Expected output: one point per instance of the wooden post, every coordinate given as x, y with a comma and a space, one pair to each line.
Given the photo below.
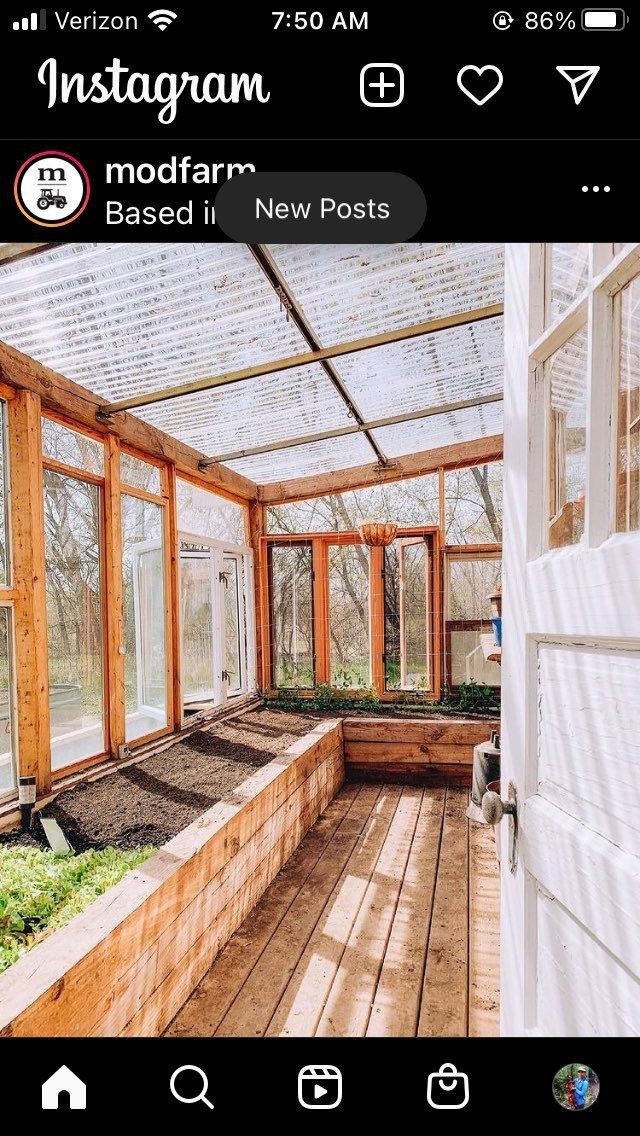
174, 596
256, 530
402, 621
376, 618
442, 505
320, 553
438, 600
115, 596
27, 528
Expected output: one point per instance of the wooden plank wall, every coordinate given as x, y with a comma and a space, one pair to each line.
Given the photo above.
126, 965
412, 750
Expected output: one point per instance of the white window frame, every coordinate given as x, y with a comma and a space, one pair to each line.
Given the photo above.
597, 308
222, 550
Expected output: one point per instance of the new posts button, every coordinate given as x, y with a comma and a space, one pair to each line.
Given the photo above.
321, 207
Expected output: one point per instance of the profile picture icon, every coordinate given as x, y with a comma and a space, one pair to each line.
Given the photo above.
51, 188
576, 1087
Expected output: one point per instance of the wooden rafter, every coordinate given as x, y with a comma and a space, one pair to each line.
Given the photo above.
456, 456
278, 283
364, 427
275, 366
10, 253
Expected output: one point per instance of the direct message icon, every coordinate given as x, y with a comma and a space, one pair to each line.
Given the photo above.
319, 1086
447, 1088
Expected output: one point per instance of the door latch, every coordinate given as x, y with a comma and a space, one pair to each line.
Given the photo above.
494, 809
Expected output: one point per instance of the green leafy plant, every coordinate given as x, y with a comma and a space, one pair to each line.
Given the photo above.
473, 696
469, 699
40, 892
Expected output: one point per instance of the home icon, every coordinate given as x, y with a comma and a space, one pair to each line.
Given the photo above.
64, 1084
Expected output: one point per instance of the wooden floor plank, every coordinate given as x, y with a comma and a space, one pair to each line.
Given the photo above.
202, 1013
484, 933
252, 1010
444, 1009
396, 1005
348, 1006
384, 921
303, 1001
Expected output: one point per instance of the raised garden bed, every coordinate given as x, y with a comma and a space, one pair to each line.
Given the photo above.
470, 701
126, 964
413, 750
150, 801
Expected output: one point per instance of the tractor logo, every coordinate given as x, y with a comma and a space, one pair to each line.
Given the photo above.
51, 188
48, 198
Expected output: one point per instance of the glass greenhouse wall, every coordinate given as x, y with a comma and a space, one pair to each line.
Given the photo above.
414, 618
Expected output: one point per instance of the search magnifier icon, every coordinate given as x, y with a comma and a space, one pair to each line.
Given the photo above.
201, 1096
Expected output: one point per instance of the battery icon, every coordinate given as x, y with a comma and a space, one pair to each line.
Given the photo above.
603, 19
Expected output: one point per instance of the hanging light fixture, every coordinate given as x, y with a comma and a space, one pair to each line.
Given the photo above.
376, 534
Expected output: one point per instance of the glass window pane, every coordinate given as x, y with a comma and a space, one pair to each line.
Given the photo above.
196, 624
567, 387
473, 505
407, 615
291, 603
349, 616
70, 447
469, 630
140, 474
413, 501
7, 763
628, 482
4, 485
569, 276
144, 617
205, 514
232, 627
74, 618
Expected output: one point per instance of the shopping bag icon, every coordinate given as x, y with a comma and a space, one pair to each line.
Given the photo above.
447, 1088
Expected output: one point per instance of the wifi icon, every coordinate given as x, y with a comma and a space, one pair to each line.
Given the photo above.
162, 18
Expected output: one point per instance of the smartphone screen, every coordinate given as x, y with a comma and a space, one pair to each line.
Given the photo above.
319, 547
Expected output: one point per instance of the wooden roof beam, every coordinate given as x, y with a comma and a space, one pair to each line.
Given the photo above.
10, 253
80, 405
456, 456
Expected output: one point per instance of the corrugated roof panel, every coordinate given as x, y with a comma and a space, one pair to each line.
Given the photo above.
271, 408
124, 319
300, 461
351, 291
448, 366
440, 430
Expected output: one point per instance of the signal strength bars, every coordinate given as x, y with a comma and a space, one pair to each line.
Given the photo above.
35, 21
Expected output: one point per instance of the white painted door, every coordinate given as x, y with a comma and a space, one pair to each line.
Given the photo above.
571, 646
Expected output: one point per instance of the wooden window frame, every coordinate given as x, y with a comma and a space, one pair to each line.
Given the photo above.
453, 552
265, 587
320, 544
8, 595
99, 481
169, 561
25, 594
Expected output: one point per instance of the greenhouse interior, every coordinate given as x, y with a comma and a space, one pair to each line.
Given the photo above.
250, 567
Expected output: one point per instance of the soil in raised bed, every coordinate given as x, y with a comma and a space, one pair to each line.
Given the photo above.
150, 801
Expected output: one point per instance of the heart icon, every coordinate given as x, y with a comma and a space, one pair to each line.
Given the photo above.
480, 83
